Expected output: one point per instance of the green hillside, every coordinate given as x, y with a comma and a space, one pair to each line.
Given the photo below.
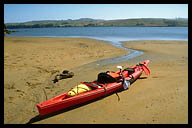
87, 22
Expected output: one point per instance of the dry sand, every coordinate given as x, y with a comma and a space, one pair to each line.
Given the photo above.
30, 63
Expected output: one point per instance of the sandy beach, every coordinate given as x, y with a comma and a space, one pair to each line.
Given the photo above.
30, 63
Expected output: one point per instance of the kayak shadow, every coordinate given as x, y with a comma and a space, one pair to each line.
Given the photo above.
144, 77
39, 117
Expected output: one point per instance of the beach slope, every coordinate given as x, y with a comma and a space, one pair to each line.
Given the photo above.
30, 64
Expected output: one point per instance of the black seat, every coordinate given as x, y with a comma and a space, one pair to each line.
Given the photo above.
103, 78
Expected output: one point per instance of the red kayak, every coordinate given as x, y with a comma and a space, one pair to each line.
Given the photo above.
107, 82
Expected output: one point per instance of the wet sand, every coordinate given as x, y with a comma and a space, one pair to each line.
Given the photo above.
30, 64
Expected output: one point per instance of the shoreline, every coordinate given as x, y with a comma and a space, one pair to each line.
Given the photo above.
35, 68
101, 39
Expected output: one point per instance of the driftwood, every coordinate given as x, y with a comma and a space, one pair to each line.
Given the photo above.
64, 75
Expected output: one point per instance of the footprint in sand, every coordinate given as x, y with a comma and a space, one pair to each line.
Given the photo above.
14, 63
10, 86
10, 99
32, 84
20, 93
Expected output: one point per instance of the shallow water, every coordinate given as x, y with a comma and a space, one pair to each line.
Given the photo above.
133, 53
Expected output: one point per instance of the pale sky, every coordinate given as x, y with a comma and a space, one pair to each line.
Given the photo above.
31, 12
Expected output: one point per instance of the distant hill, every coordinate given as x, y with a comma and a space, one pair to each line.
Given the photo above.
88, 22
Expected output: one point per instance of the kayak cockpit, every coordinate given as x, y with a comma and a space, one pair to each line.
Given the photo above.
93, 85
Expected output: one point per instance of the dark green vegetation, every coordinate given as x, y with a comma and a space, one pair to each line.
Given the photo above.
87, 22
7, 31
